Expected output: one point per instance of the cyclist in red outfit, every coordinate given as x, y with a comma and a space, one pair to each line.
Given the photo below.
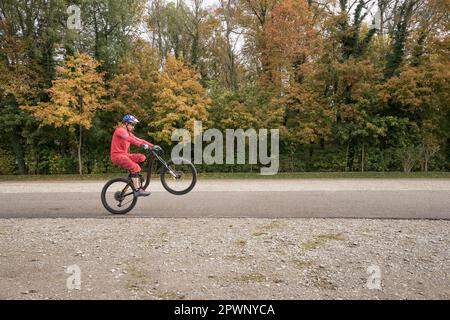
122, 138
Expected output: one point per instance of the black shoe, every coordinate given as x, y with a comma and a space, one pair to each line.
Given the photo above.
142, 193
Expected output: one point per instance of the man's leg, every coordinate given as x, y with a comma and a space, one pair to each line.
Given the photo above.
136, 158
135, 179
134, 170
126, 162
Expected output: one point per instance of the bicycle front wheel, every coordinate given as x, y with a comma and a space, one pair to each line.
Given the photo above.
118, 196
179, 177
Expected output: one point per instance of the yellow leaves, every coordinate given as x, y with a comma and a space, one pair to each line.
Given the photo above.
74, 96
180, 102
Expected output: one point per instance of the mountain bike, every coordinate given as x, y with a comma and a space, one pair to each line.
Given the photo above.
178, 176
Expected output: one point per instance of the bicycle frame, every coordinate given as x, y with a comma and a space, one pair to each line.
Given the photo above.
151, 160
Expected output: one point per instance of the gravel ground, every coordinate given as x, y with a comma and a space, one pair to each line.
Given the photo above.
145, 258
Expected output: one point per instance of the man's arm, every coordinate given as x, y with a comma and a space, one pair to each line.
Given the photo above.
142, 141
128, 136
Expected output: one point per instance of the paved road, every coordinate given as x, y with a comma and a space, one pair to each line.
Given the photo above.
317, 198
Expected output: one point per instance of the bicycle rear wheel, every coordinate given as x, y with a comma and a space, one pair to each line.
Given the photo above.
179, 177
118, 196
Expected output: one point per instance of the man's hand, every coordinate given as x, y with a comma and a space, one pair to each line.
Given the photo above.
156, 148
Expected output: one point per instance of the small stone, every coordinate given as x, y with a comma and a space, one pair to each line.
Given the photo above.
29, 291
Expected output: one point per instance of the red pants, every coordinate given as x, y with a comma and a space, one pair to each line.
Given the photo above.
128, 161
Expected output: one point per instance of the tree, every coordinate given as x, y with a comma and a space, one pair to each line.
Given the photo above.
170, 30
26, 48
222, 58
108, 30
20, 82
395, 57
133, 89
293, 43
254, 16
231, 110
75, 96
347, 73
180, 102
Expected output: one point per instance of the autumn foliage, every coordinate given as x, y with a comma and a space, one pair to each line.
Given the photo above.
180, 101
349, 89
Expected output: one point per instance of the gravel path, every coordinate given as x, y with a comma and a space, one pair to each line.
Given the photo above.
145, 258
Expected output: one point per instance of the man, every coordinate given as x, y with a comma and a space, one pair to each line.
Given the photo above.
122, 138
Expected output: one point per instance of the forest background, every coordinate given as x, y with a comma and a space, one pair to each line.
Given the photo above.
352, 85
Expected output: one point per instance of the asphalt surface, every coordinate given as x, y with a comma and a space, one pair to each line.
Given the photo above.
314, 198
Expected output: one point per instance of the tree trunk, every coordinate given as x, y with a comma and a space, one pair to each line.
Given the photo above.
38, 162
194, 49
310, 157
18, 152
383, 162
409, 160
362, 158
97, 38
80, 165
292, 162
350, 156
346, 156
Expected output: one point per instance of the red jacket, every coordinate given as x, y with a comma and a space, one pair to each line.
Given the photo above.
122, 139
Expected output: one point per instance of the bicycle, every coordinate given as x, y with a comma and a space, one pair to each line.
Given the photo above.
178, 176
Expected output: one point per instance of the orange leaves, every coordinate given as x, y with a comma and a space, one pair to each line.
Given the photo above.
291, 30
356, 77
291, 39
407, 89
19, 74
